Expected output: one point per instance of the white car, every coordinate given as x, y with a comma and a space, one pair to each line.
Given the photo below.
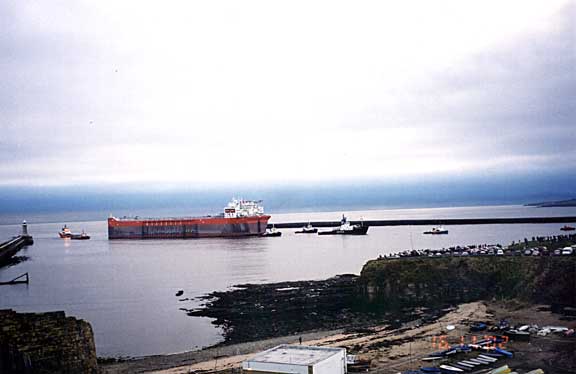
499, 252
567, 251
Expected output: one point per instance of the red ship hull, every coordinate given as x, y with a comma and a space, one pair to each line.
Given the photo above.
183, 228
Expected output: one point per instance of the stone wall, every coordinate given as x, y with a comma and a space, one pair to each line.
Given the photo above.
45, 343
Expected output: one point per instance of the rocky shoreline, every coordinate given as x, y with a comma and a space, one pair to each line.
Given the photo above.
382, 349
259, 311
379, 314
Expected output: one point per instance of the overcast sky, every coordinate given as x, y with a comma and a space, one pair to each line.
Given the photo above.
183, 92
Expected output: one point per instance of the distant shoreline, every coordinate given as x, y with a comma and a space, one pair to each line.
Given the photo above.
9, 219
554, 204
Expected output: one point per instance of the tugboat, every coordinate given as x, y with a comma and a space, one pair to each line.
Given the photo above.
308, 229
437, 231
567, 228
82, 236
65, 232
272, 232
346, 229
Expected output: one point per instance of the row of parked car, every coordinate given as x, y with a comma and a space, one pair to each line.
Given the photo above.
543, 251
494, 250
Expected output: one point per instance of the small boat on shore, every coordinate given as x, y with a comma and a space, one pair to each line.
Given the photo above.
518, 335
567, 228
346, 228
437, 231
308, 229
272, 232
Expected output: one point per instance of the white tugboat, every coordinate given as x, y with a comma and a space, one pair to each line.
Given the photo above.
437, 231
272, 232
347, 229
308, 229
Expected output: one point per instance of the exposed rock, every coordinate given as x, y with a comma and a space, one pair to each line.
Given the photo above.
390, 291
45, 343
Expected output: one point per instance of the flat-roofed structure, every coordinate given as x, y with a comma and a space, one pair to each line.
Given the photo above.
297, 359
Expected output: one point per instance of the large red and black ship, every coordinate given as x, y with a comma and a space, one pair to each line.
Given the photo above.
240, 218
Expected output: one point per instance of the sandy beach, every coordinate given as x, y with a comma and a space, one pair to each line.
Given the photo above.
385, 350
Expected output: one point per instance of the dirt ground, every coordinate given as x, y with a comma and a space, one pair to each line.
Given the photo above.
384, 350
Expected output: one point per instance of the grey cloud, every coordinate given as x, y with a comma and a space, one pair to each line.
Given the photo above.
516, 99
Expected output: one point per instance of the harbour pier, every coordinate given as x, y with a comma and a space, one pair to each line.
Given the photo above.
430, 222
12, 246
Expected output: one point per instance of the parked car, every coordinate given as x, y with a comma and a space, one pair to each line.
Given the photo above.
567, 251
499, 252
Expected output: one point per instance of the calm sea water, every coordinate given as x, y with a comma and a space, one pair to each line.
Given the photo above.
125, 289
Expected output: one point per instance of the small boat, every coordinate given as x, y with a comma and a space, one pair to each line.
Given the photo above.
308, 229
82, 236
478, 326
437, 231
460, 366
272, 232
517, 334
465, 364
65, 232
477, 361
489, 358
430, 370
504, 352
450, 369
567, 228
346, 228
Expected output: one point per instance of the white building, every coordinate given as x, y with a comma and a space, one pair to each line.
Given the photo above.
297, 359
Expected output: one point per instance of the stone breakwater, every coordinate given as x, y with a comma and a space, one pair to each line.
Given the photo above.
45, 343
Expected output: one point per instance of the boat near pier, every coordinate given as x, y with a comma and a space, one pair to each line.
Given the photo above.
437, 231
308, 229
346, 228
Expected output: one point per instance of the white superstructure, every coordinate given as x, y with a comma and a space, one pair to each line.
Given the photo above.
243, 208
297, 359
